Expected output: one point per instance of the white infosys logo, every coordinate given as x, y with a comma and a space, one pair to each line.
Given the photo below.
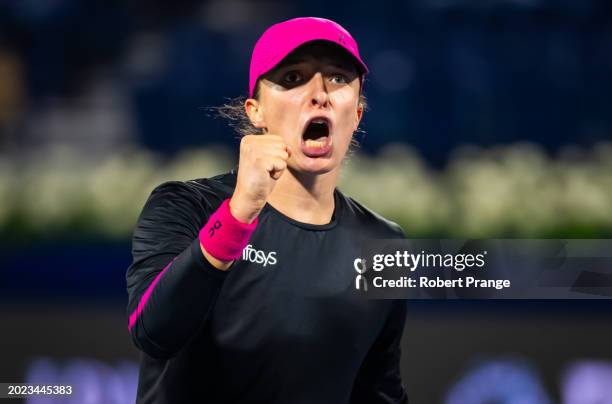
258, 256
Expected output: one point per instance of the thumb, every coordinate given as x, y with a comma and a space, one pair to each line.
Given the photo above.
276, 174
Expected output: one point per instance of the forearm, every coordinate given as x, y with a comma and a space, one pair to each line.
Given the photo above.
175, 302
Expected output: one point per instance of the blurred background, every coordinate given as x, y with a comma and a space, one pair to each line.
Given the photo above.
487, 118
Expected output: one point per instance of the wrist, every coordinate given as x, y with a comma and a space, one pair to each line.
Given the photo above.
245, 212
224, 236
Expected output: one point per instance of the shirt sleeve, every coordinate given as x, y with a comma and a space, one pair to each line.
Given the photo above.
379, 380
172, 287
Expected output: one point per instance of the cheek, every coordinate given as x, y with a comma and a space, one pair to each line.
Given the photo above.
346, 104
343, 97
282, 113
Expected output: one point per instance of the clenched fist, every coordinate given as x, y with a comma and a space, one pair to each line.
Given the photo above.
263, 159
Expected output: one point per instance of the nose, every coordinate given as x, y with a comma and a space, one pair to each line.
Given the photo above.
319, 95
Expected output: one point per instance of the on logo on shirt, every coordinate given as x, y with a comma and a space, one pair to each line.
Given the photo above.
258, 256
361, 283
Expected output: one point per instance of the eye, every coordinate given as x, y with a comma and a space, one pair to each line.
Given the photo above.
339, 78
293, 77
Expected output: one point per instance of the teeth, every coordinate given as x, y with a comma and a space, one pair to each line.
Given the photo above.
319, 120
314, 143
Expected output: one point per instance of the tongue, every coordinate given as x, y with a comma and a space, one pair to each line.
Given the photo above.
316, 138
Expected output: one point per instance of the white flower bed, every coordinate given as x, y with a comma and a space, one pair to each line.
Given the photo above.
515, 190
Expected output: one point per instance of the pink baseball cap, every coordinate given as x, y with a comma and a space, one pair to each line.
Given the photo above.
283, 38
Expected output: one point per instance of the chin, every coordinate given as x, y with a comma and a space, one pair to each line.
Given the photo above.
316, 166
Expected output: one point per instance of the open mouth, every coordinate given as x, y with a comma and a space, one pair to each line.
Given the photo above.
316, 131
317, 139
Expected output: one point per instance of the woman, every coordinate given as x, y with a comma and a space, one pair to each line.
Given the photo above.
242, 287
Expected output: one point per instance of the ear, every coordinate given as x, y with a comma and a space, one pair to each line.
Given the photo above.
254, 112
358, 115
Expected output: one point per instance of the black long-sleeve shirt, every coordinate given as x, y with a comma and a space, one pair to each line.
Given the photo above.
284, 324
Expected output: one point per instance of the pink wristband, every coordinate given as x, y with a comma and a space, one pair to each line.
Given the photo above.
223, 236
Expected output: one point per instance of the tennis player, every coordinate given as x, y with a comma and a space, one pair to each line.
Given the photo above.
242, 287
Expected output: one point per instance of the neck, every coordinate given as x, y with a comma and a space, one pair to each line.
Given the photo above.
305, 198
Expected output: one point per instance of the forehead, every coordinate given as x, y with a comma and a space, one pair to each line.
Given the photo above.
322, 52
